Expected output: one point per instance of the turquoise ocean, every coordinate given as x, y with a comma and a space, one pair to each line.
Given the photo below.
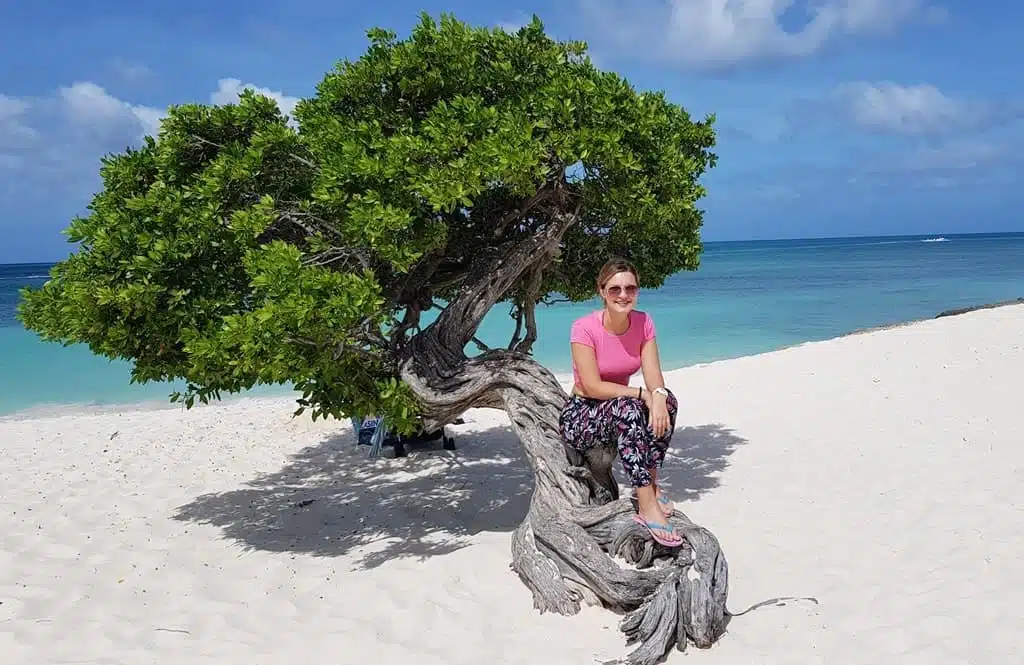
747, 297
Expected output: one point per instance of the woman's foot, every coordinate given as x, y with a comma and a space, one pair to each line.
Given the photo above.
662, 532
651, 516
664, 503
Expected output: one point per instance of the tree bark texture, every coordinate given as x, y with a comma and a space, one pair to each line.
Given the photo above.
578, 542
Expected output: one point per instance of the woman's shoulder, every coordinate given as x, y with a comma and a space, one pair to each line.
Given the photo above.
587, 319
585, 327
583, 330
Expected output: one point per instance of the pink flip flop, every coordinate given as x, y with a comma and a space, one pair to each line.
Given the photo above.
653, 528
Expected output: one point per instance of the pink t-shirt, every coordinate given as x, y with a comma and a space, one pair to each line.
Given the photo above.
618, 356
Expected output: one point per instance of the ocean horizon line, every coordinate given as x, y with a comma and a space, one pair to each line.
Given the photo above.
738, 241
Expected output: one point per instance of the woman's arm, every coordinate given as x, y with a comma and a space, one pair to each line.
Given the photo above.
657, 403
650, 365
593, 387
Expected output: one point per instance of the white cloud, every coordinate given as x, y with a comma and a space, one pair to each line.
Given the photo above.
514, 25
228, 91
90, 104
87, 109
918, 109
87, 114
50, 151
914, 110
710, 33
50, 146
911, 109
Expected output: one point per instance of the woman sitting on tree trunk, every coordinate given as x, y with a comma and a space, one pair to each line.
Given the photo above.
609, 346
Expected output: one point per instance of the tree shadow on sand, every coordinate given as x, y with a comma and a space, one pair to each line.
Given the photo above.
331, 500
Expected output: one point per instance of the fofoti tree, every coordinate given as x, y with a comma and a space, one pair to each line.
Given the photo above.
455, 170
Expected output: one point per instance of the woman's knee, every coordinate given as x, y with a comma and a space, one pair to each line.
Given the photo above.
671, 402
629, 409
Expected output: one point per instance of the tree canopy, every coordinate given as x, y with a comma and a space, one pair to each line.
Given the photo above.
242, 247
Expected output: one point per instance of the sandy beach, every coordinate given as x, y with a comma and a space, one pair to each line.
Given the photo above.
881, 474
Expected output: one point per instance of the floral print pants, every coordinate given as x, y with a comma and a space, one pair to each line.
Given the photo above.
585, 423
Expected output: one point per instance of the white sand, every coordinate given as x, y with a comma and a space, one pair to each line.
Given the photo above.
882, 474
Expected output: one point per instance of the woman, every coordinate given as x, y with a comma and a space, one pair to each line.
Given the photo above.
609, 346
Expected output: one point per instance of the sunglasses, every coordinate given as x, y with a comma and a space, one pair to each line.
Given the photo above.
617, 290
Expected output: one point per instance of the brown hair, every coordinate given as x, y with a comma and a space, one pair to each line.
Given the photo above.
612, 268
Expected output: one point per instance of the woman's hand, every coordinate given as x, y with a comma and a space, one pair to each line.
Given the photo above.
660, 421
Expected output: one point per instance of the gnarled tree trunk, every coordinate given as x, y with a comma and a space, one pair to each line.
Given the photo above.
565, 549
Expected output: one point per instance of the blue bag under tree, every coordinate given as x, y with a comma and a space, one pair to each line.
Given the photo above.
373, 432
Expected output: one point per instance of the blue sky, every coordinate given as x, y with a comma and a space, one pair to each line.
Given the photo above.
835, 117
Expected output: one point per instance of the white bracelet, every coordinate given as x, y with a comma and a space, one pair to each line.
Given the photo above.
660, 391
